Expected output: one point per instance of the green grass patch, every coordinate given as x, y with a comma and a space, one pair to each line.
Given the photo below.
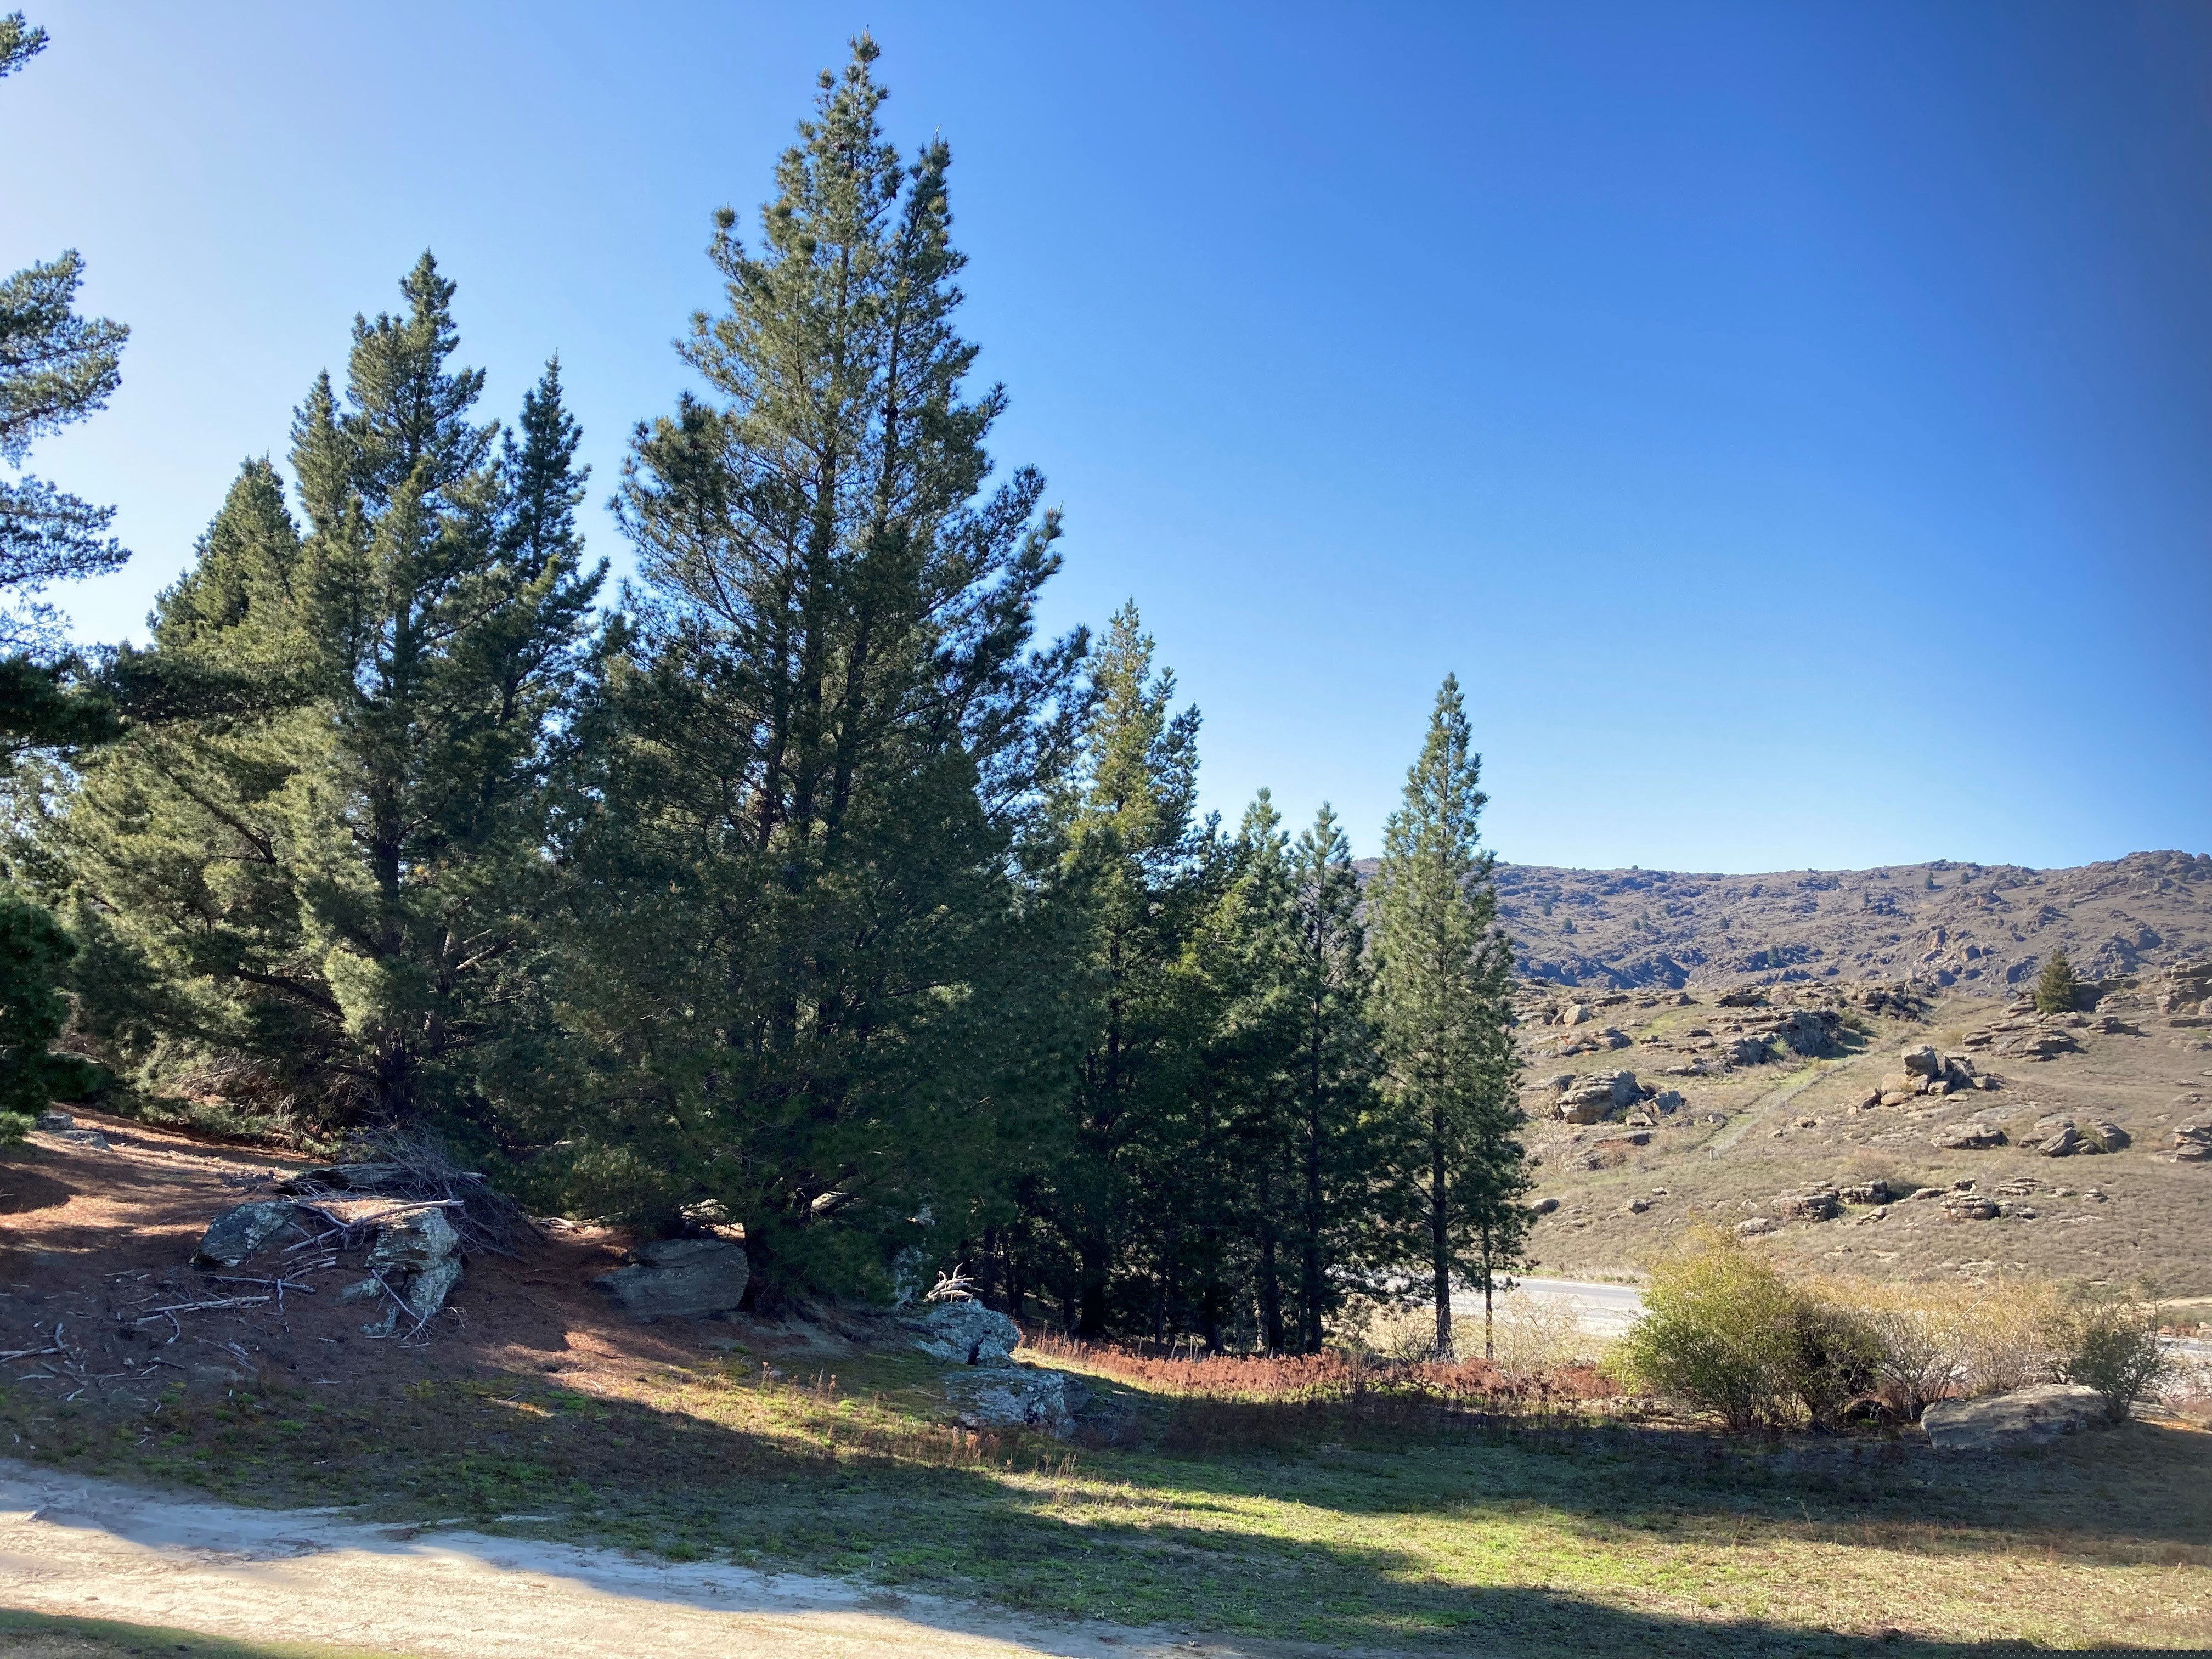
1323, 1525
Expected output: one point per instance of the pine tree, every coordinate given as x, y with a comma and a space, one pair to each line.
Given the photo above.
33, 952
56, 367
2056, 990
1343, 1148
1442, 1007
322, 888
811, 979
1139, 869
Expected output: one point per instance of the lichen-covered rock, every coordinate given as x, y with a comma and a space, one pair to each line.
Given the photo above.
679, 1277
236, 1234
1968, 1137
967, 1333
2003, 1422
413, 1241
1016, 1397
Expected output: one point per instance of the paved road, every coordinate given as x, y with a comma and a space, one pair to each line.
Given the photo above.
1605, 1309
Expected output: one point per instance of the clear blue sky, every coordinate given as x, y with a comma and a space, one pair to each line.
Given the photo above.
1792, 422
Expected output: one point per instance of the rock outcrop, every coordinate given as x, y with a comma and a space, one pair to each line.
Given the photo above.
967, 1333
2023, 1418
1595, 1098
1016, 1397
1967, 1137
233, 1236
679, 1277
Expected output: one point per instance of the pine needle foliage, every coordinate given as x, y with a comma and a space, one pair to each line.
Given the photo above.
817, 989
1442, 1005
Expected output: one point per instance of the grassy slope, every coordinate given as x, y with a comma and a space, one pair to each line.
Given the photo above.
2149, 1227
1565, 1539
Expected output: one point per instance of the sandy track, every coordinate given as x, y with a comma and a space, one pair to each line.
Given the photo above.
73, 1545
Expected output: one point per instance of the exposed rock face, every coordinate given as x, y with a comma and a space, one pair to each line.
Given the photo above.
236, 1234
1805, 1206
1971, 1207
679, 1277
1745, 1051
1968, 1137
2064, 1137
1016, 1397
1869, 1192
416, 1254
2004, 1422
968, 1331
1987, 927
1595, 1098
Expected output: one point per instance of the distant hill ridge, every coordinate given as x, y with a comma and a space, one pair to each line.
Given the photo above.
1982, 927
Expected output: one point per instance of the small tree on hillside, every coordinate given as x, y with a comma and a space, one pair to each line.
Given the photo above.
2058, 991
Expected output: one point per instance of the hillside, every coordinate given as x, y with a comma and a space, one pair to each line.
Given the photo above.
1982, 928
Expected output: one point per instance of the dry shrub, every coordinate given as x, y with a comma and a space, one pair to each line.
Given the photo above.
1225, 1400
1536, 1334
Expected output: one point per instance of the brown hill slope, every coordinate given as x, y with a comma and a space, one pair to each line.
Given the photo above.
1982, 928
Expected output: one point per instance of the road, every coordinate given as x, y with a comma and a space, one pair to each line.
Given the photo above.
1608, 1310
71, 1544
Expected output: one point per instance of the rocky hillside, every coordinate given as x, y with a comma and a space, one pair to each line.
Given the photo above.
1981, 928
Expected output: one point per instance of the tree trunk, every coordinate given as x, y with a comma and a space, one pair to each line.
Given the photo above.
1439, 1233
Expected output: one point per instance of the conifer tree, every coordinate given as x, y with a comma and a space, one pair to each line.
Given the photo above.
2056, 990
1137, 868
56, 367
810, 975
1343, 1149
1444, 1010
324, 888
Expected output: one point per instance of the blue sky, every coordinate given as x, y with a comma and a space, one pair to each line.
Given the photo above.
1792, 422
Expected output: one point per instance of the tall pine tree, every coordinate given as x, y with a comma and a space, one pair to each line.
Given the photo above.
1442, 1002
325, 891
811, 982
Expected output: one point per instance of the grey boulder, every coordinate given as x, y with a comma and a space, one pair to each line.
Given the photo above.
1016, 1397
236, 1234
2024, 1416
679, 1277
967, 1333
1969, 1137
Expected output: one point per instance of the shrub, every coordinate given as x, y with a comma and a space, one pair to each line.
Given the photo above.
1836, 1357
1720, 1332
2113, 1346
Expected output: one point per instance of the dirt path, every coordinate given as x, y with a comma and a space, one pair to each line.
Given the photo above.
73, 1545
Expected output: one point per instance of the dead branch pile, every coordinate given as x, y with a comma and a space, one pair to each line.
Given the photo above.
414, 1168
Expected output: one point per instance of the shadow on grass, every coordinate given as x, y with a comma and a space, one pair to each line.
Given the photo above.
780, 1476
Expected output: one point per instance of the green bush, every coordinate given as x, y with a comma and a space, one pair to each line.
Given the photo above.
2113, 1346
1722, 1333
34, 951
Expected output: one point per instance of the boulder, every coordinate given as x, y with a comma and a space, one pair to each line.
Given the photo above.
679, 1277
2064, 1142
1613, 1037
236, 1234
413, 1241
1016, 1397
1971, 1207
966, 1332
2106, 1135
1903, 1083
1805, 1206
1868, 1191
2192, 1143
1744, 996
1756, 1225
1576, 1015
91, 1138
1622, 1143
1923, 1059
2007, 1422
1543, 1207
1595, 1098
1745, 1051
1811, 1032
1968, 1137
51, 1121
